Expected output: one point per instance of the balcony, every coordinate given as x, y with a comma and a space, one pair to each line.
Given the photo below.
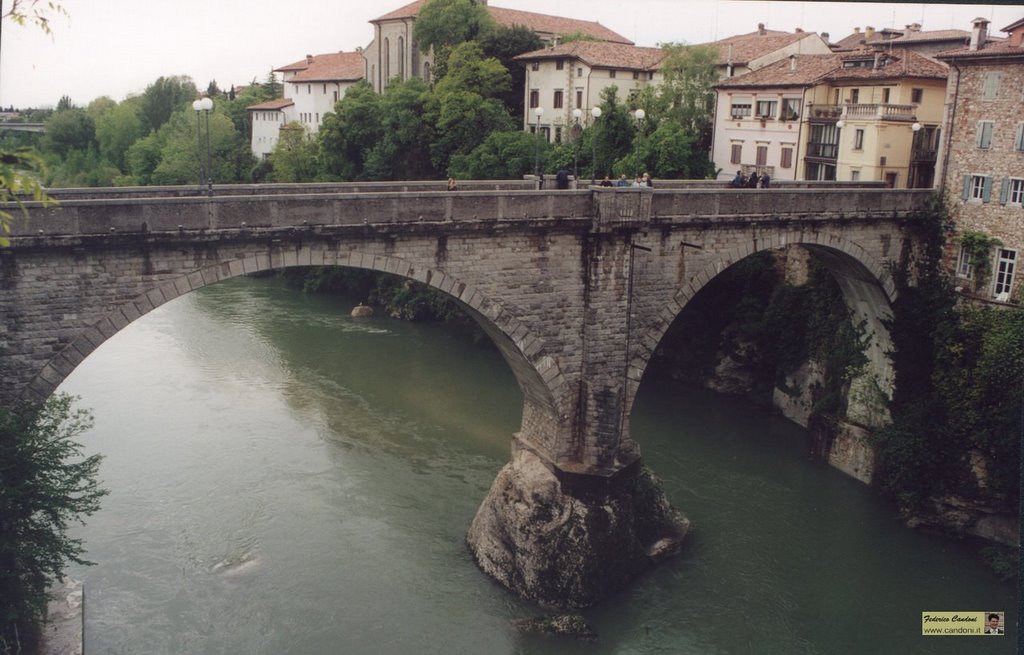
823, 150
833, 112
884, 112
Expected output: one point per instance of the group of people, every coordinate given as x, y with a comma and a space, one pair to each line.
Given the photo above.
640, 181
755, 181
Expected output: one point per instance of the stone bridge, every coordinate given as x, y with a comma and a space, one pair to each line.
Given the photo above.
575, 287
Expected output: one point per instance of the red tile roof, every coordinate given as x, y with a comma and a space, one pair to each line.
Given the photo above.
991, 49
536, 22
280, 103
598, 54
807, 71
747, 47
901, 64
330, 67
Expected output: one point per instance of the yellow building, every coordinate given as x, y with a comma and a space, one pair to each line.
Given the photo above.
876, 117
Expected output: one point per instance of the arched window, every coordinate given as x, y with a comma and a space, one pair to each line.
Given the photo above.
401, 56
426, 72
387, 61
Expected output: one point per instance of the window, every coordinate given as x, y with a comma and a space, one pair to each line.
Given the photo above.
854, 96
885, 96
558, 134
990, 85
984, 134
762, 155
335, 96
309, 89
1012, 191
854, 175
916, 96
1006, 262
535, 66
559, 64
786, 160
611, 74
740, 109
766, 108
579, 72
579, 98
534, 98
977, 187
790, 109
556, 102
858, 139
737, 153
964, 268
1018, 140
401, 57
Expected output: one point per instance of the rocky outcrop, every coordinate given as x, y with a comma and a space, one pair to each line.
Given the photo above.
362, 311
571, 547
964, 516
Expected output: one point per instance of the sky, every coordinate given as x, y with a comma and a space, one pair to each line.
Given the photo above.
116, 48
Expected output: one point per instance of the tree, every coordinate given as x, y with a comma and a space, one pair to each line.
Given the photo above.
613, 134
686, 94
504, 43
47, 483
349, 132
403, 150
117, 130
296, 156
464, 107
36, 12
68, 130
180, 151
443, 24
21, 171
501, 156
165, 96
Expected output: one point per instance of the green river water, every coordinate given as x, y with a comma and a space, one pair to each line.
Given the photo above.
287, 479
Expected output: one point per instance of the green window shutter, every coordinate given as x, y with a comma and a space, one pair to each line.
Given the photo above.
967, 187
1018, 142
986, 190
1004, 190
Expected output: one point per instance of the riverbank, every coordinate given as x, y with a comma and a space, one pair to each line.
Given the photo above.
63, 632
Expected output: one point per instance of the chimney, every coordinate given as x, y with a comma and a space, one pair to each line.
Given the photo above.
792, 63
979, 34
856, 30
309, 59
825, 35
879, 49
869, 32
760, 29
799, 30
914, 27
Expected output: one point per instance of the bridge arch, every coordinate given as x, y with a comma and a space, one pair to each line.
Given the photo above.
865, 281
536, 372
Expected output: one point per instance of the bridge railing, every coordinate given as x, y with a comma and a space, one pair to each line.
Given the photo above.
607, 206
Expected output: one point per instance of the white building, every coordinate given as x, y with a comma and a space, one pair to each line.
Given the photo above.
312, 87
570, 76
749, 52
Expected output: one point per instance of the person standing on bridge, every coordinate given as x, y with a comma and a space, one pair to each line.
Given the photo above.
562, 179
765, 180
452, 184
738, 182
752, 180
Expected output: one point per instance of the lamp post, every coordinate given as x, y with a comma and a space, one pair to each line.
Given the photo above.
915, 129
576, 113
204, 105
596, 113
639, 115
538, 112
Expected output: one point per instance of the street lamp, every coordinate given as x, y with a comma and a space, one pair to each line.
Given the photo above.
596, 113
576, 114
204, 105
538, 112
639, 115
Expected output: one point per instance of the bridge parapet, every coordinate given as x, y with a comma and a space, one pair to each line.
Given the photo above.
608, 207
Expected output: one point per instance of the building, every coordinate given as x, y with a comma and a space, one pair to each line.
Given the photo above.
982, 168
394, 52
312, 86
267, 119
748, 52
760, 117
912, 37
889, 106
863, 115
570, 76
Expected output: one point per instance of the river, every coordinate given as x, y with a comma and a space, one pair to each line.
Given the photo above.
287, 479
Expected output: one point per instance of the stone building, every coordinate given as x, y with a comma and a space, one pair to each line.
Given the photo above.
982, 169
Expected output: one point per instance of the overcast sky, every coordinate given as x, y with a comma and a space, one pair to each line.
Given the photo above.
117, 47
